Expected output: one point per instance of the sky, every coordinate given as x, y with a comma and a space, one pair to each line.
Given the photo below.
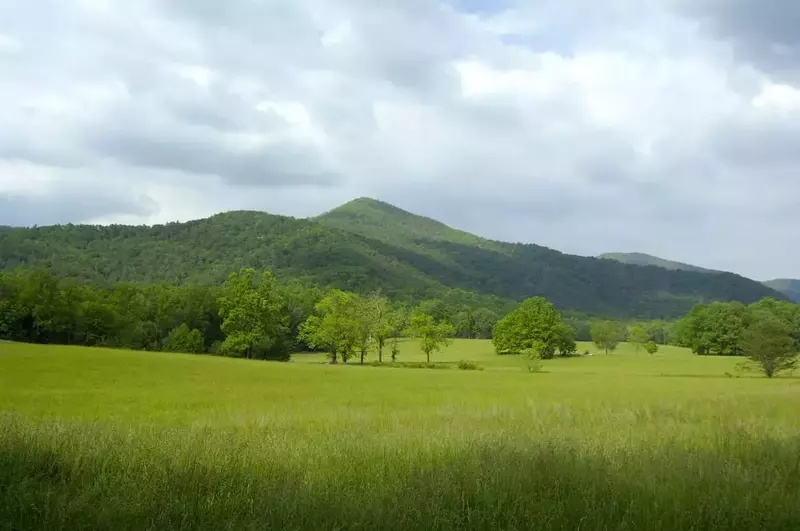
670, 127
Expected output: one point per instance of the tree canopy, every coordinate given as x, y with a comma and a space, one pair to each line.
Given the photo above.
606, 335
534, 325
768, 342
432, 334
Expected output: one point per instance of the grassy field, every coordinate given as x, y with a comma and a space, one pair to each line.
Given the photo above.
100, 439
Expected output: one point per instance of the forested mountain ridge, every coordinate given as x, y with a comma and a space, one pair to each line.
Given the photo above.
642, 259
363, 246
788, 287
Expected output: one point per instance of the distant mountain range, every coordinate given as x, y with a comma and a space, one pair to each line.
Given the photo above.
365, 245
789, 287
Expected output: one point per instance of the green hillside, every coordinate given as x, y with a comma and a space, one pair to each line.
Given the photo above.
642, 259
362, 246
788, 286
205, 251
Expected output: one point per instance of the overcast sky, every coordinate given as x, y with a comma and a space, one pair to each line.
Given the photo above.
670, 127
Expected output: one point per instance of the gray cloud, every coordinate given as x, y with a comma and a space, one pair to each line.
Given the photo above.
277, 165
68, 207
762, 32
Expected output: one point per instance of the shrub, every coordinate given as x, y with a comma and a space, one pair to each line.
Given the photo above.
469, 366
412, 365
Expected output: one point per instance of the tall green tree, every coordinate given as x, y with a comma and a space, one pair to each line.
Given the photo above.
398, 322
366, 317
786, 312
768, 342
334, 328
254, 317
638, 337
300, 300
713, 329
185, 340
659, 331
534, 325
606, 335
382, 313
432, 335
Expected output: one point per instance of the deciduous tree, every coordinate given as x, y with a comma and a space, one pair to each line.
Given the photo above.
383, 330
606, 335
535, 324
768, 342
334, 328
713, 329
431, 334
254, 317
183, 339
638, 337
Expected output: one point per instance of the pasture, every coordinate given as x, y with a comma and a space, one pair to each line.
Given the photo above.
104, 439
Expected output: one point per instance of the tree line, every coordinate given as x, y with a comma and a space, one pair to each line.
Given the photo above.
250, 315
766, 332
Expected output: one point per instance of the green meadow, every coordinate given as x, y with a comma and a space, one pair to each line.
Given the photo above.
110, 439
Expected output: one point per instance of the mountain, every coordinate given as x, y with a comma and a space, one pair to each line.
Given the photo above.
788, 286
642, 259
366, 245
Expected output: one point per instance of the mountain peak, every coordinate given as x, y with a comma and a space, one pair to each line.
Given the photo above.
385, 222
364, 205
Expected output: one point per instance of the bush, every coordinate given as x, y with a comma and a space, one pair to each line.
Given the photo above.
535, 366
412, 365
534, 357
182, 339
469, 366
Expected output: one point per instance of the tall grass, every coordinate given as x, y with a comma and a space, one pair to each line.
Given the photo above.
93, 439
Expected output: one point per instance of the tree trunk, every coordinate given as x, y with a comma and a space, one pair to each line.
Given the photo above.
428, 355
380, 353
363, 355
334, 361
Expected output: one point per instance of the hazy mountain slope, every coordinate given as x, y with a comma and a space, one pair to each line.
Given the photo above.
788, 286
387, 223
642, 259
362, 246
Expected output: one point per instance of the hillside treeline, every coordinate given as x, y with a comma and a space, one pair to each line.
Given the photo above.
253, 315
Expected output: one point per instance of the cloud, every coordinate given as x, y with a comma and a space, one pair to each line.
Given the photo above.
660, 126
764, 34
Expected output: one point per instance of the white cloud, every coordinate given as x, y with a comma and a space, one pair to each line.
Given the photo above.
778, 97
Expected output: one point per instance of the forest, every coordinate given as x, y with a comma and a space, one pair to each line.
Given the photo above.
362, 247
